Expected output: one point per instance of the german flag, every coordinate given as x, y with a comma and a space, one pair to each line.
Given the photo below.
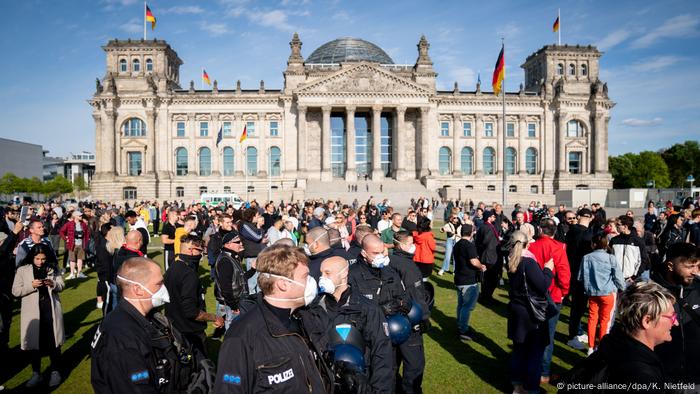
150, 18
205, 77
244, 134
499, 73
555, 26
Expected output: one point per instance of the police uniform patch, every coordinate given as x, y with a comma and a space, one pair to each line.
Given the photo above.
139, 376
417, 284
232, 379
386, 328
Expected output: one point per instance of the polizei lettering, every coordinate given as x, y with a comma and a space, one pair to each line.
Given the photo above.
281, 377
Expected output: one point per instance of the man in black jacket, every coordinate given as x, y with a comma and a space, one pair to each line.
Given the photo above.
319, 243
487, 240
680, 277
578, 244
215, 244
266, 349
187, 309
230, 281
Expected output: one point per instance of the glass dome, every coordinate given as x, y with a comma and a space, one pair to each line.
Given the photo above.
348, 50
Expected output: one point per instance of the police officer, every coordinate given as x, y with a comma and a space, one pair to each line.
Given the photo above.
135, 350
374, 277
266, 349
355, 323
411, 352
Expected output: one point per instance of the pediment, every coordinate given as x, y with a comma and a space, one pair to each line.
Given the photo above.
363, 78
577, 143
133, 143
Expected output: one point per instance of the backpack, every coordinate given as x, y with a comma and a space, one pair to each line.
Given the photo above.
592, 370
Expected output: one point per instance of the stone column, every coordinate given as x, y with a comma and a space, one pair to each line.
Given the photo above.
500, 150
150, 162
561, 147
456, 154
600, 144
522, 132
478, 149
351, 168
302, 152
117, 143
377, 173
326, 144
423, 142
99, 144
398, 141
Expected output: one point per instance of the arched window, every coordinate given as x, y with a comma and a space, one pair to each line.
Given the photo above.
445, 160
467, 159
572, 69
204, 162
181, 161
149, 65
252, 161
136, 65
228, 161
134, 127
574, 128
560, 69
584, 70
531, 160
123, 67
275, 161
489, 161
510, 161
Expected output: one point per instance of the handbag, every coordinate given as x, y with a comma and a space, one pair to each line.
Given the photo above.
541, 307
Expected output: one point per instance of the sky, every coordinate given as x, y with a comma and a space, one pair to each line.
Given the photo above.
52, 52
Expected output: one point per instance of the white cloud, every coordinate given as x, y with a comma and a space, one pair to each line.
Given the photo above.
634, 122
215, 29
657, 63
681, 26
613, 39
276, 19
134, 25
183, 9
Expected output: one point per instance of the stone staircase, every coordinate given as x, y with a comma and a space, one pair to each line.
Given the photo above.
399, 193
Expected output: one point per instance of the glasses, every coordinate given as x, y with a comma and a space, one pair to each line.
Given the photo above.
673, 317
571, 218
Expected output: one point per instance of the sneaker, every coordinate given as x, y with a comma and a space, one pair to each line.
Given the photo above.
441, 272
583, 338
81, 275
99, 304
34, 380
590, 351
71, 276
55, 379
465, 337
576, 344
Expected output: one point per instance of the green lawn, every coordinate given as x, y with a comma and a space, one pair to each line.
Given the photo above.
452, 366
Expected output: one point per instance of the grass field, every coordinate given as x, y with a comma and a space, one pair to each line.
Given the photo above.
452, 366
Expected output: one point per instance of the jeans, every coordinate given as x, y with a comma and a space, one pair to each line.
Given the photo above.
253, 281
228, 314
547, 360
467, 296
449, 246
644, 276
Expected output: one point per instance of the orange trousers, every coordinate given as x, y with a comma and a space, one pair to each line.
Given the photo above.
601, 309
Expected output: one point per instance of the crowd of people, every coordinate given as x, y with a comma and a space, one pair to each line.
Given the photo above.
324, 296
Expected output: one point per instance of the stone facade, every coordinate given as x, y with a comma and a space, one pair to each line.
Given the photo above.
321, 127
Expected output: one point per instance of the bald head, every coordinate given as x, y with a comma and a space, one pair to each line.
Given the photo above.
318, 240
333, 265
372, 246
370, 241
136, 269
361, 231
133, 239
285, 242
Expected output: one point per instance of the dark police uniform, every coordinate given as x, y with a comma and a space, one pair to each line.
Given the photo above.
264, 351
132, 353
411, 352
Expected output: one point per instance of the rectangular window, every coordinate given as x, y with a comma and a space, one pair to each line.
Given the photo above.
274, 128
130, 193
134, 160
534, 189
531, 130
488, 129
510, 129
180, 129
204, 129
467, 129
179, 192
202, 189
227, 129
445, 129
574, 162
250, 128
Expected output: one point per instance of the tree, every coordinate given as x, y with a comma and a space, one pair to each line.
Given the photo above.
80, 185
58, 185
635, 170
9, 183
682, 160
622, 168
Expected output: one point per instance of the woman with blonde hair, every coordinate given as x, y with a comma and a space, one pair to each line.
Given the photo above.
530, 335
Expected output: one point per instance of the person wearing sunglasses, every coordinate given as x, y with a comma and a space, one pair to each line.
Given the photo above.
186, 309
680, 275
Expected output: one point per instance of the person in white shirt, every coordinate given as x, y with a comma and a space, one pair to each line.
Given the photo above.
384, 223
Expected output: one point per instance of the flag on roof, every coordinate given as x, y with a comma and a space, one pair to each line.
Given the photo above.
150, 18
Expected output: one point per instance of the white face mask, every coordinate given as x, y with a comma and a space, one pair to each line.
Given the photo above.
158, 298
307, 251
310, 289
326, 285
380, 261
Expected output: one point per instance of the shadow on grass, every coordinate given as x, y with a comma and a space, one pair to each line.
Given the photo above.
80, 349
489, 369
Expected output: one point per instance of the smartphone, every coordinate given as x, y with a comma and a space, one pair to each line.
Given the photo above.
23, 215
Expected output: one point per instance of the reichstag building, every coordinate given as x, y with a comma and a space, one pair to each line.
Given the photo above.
345, 114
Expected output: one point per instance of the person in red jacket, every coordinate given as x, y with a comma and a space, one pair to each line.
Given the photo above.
425, 247
76, 233
544, 249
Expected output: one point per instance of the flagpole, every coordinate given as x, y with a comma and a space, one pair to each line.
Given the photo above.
245, 158
503, 128
559, 29
144, 20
